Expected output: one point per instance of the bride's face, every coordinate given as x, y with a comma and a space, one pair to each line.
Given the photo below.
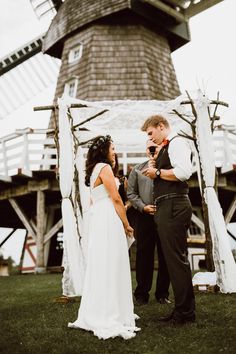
111, 153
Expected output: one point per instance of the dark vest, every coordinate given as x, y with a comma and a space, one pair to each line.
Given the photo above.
162, 187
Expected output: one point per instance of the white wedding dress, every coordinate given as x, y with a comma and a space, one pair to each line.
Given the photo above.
106, 306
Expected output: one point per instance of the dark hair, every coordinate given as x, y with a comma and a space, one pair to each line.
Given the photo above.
115, 168
98, 152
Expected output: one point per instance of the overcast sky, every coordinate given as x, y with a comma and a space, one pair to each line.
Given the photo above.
207, 62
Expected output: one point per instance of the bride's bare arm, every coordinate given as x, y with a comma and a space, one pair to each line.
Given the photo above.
108, 180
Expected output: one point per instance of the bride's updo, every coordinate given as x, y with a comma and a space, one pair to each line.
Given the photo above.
98, 152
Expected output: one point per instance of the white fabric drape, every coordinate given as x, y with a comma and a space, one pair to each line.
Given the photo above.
228, 160
72, 281
223, 259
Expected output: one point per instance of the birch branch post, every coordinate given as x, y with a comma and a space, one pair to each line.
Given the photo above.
209, 257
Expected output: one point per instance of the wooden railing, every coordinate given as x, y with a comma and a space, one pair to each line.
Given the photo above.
27, 150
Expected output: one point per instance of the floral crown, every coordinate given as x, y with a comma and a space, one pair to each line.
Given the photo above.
100, 141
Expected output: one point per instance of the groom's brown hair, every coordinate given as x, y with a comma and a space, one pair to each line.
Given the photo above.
154, 121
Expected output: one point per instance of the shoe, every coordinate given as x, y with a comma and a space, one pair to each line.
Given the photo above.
172, 320
179, 322
165, 318
140, 302
164, 301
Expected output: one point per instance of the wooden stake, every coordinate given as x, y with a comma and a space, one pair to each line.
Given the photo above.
40, 266
23, 217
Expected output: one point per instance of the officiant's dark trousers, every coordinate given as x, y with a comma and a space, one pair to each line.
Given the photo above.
146, 242
172, 219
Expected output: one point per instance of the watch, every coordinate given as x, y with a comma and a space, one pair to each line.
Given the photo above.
158, 172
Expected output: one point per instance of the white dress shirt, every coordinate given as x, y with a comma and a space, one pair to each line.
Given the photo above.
180, 156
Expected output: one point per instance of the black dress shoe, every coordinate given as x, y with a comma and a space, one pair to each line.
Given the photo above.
181, 321
164, 301
165, 318
175, 321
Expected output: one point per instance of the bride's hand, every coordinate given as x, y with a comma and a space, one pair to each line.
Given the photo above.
129, 231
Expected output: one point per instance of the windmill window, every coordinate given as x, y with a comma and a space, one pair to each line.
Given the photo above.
75, 54
71, 87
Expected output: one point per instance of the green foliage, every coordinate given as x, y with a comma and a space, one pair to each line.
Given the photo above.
32, 322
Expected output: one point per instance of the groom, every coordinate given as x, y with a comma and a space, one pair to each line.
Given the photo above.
170, 172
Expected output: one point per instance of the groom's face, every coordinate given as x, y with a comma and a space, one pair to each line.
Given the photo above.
156, 134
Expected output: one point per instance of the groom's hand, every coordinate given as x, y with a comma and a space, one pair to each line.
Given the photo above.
150, 172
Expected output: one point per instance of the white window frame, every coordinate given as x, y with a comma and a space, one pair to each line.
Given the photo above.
68, 85
75, 54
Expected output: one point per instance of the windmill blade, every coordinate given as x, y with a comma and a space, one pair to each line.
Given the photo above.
44, 8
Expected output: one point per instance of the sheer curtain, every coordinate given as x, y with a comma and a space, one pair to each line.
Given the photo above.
72, 281
223, 259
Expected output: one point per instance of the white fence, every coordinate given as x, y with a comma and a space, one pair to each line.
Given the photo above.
28, 150
25, 151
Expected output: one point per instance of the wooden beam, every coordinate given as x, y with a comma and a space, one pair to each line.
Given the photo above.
53, 230
178, 16
177, 3
200, 6
14, 192
35, 186
54, 107
49, 219
198, 222
230, 186
230, 212
40, 266
22, 216
31, 186
222, 182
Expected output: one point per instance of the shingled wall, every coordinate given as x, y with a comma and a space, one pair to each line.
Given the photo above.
125, 55
74, 14
118, 62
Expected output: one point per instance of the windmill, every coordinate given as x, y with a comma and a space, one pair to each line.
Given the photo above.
108, 50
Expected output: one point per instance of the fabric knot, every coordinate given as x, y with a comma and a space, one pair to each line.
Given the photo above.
165, 142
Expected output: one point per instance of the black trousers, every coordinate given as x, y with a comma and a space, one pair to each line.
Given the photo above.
172, 219
146, 241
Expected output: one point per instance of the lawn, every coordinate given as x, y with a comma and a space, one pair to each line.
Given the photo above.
31, 321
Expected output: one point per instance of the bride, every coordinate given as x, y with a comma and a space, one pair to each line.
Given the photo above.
106, 306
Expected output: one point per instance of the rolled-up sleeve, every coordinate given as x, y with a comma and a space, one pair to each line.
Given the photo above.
180, 158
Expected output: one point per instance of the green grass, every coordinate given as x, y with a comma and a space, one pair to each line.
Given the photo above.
32, 322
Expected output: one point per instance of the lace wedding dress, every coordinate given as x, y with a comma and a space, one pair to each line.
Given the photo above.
106, 306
